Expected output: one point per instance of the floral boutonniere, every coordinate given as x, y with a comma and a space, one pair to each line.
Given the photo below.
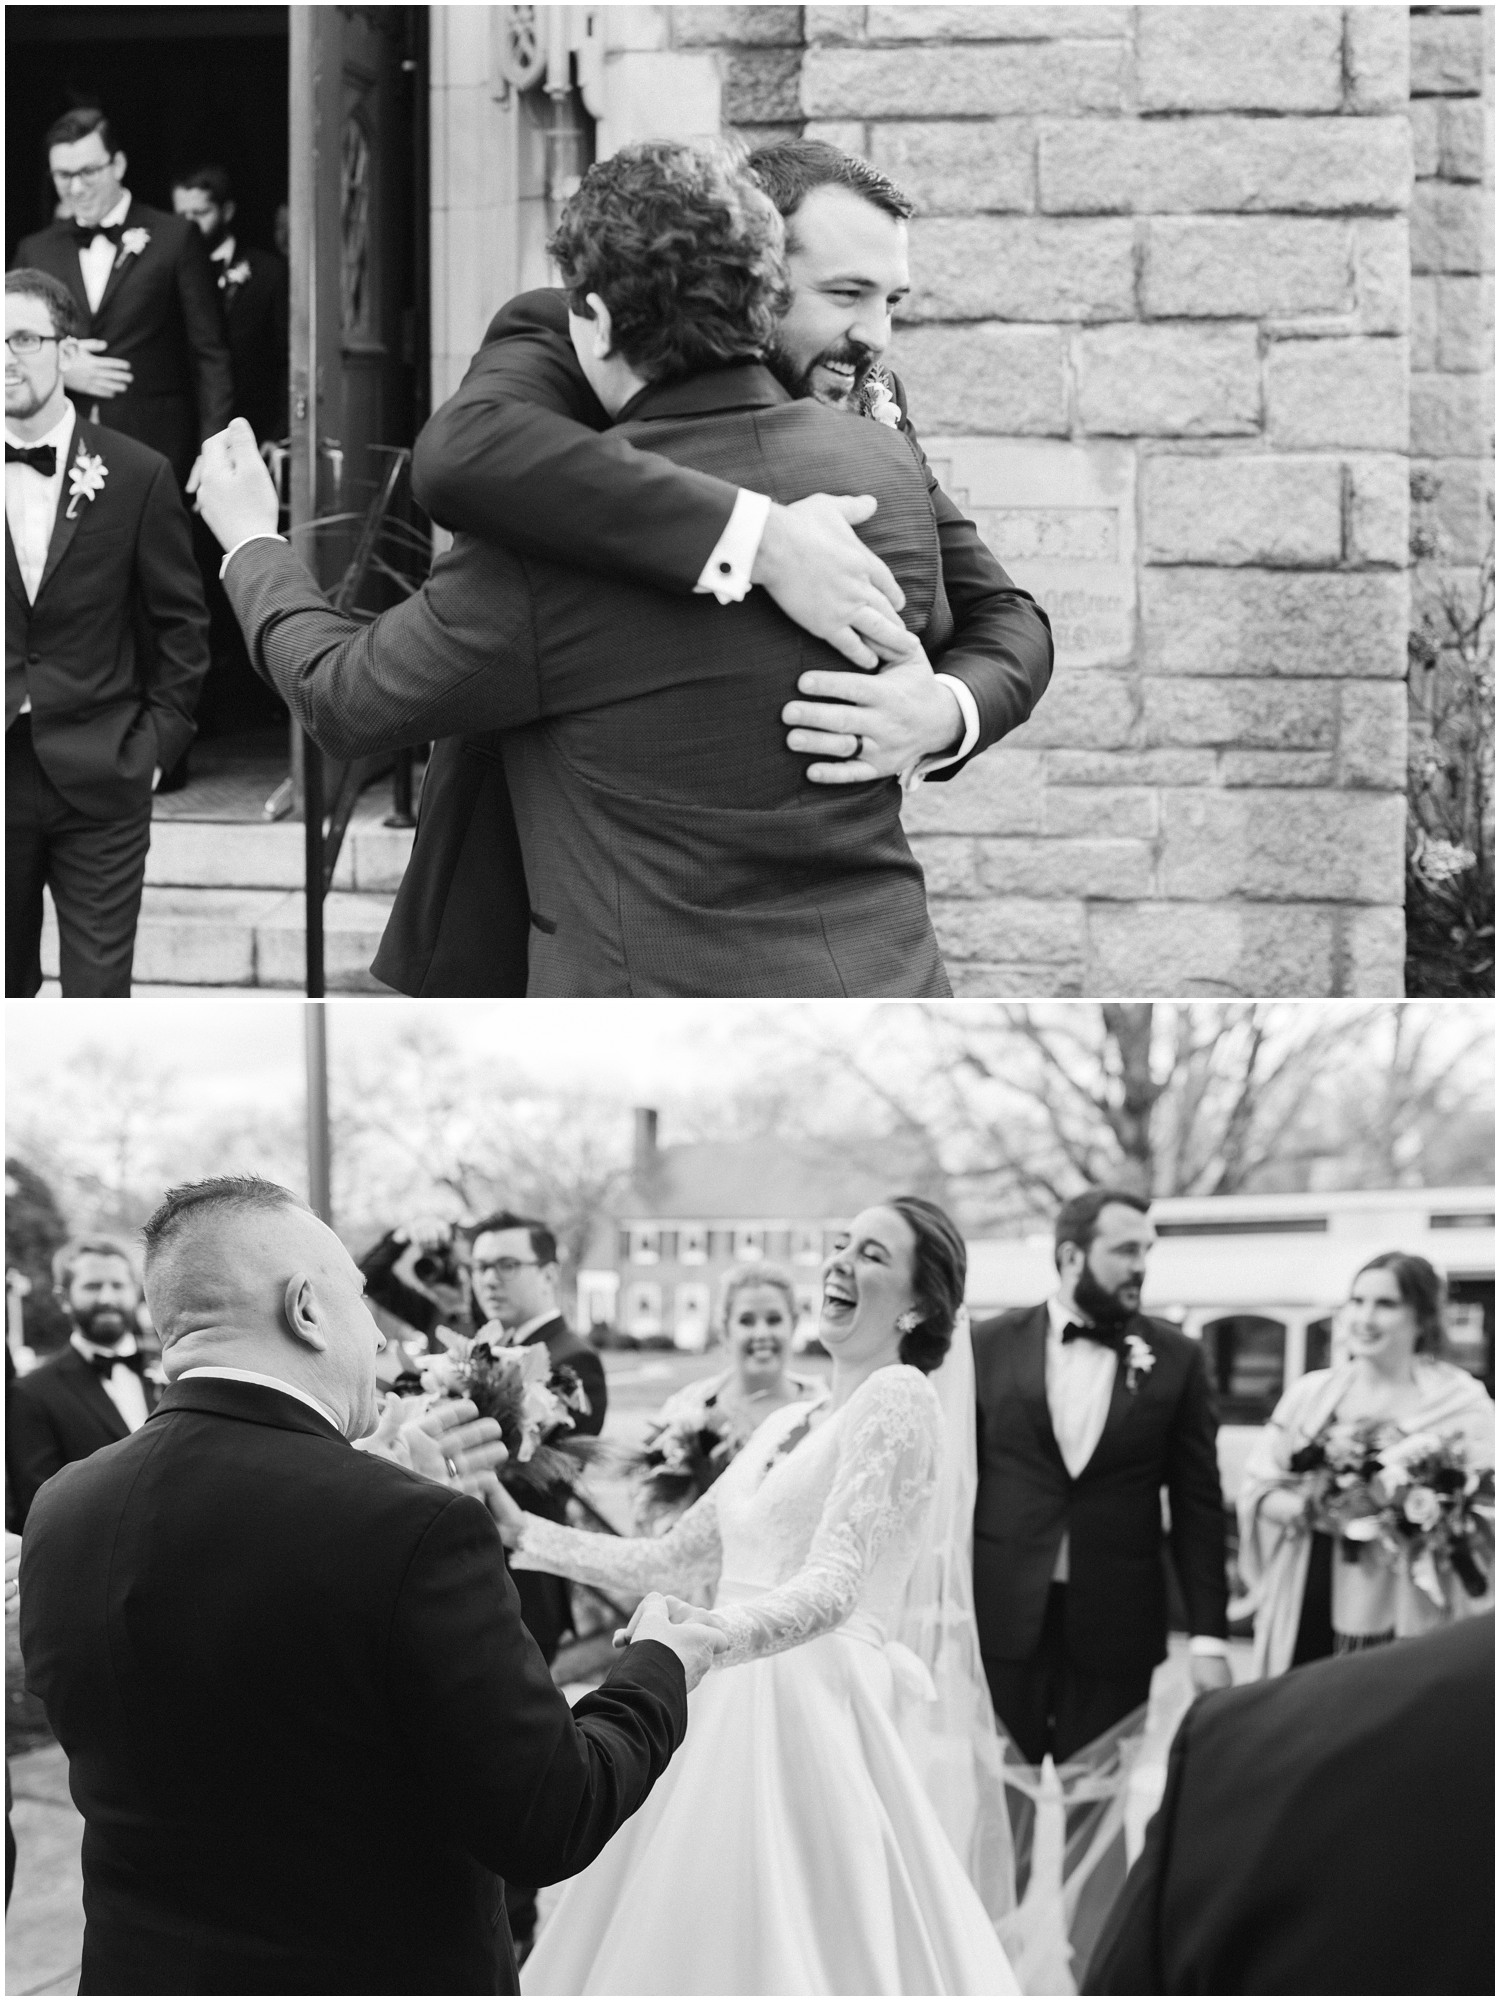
234, 277
133, 242
877, 399
1140, 1360
86, 477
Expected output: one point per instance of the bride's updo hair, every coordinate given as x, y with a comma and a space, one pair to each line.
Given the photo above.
939, 1269
1421, 1289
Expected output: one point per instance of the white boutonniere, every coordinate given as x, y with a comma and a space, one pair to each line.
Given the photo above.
1140, 1360
133, 242
880, 403
86, 477
235, 276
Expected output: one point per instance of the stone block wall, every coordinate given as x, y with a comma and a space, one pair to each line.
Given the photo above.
1453, 289
1158, 347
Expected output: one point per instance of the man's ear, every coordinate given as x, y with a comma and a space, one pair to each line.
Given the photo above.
67, 351
603, 326
120, 166
227, 212
304, 1318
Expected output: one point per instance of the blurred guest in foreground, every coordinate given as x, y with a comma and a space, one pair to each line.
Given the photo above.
1353, 1491
1331, 1832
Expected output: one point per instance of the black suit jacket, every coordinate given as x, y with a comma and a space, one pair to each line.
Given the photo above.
672, 844
60, 1412
1329, 1832
160, 312
1162, 1435
546, 1603
114, 649
306, 1728
257, 319
510, 458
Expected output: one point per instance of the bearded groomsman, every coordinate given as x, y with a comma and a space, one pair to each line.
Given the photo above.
153, 361
106, 646
96, 1390
1087, 1411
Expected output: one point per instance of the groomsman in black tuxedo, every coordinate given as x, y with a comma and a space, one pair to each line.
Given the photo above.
515, 1276
1087, 1411
153, 362
254, 293
106, 646
96, 1390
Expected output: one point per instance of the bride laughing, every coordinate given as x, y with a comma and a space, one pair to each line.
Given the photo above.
827, 1827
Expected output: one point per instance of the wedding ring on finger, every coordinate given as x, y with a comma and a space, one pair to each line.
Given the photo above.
452, 1465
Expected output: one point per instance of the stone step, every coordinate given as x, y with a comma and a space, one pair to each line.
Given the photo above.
241, 938
217, 854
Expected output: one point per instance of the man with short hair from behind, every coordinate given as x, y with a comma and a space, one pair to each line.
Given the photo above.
106, 647
95, 1390
321, 1686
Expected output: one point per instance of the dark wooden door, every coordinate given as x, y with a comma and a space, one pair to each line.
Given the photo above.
358, 295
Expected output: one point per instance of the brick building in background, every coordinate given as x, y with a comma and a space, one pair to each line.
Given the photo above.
1183, 325
694, 1210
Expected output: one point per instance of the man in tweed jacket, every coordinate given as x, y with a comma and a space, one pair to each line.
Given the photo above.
670, 842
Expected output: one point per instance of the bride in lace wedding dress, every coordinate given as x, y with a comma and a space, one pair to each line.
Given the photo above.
806, 1838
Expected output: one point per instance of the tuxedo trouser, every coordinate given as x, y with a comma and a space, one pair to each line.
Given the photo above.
95, 870
1047, 1703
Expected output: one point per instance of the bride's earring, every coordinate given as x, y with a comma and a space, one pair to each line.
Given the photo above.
909, 1323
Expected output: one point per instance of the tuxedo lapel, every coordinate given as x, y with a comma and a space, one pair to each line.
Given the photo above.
1031, 1381
122, 263
1122, 1402
64, 527
88, 1389
15, 588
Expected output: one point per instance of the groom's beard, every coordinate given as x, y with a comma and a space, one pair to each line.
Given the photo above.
805, 383
105, 1326
1104, 1308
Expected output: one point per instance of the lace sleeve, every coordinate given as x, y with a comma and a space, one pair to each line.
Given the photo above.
687, 1555
887, 1474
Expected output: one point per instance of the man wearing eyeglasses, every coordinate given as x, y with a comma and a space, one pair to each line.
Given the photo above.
106, 647
153, 359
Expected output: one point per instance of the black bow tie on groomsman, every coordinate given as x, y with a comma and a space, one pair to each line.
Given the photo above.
41, 458
1107, 1337
105, 1365
85, 232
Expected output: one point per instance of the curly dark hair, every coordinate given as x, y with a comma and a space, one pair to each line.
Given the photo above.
1422, 1289
939, 1270
686, 251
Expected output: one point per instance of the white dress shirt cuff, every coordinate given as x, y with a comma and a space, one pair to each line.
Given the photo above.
243, 545
1208, 1647
968, 708
726, 574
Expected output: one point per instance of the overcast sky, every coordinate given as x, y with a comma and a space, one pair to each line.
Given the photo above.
232, 1051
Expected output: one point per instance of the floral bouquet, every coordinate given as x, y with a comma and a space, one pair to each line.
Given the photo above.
682, 1458
1338, 1469
1436, 1514
532, 1402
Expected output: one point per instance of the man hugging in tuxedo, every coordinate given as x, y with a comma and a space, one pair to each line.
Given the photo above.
96, 1390
1087, 1411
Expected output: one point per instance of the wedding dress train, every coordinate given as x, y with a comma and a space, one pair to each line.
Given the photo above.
790, 1847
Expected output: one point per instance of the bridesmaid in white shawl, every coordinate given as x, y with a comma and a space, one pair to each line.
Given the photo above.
1307, 1605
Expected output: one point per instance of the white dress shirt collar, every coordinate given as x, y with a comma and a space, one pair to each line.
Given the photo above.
528, 1327
31, 503
60, 435
223, 253
89, 1349
118, 213
266, 1382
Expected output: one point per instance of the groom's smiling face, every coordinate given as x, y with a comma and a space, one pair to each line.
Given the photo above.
848, 266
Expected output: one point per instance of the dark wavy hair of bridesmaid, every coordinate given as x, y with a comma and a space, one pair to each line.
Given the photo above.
939, 1272
1421, 1288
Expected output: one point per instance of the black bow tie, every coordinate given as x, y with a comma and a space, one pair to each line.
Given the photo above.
41, 458
105, 1365
1107, 1337
85, 232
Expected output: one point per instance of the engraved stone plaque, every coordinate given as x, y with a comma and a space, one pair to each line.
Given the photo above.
1061, 518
